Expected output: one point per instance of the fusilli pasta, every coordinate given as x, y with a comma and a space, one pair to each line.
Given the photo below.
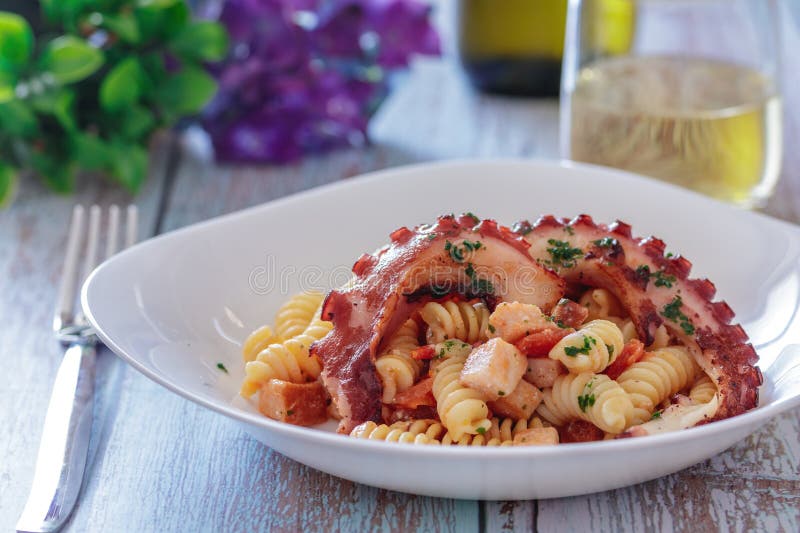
507, 428
703, 390
474, 440
257, 341
396, 368
407, 432
600, 303
659, 375
461, 410
455, 320
288, 361
660, 337
592, 397
590, 349
295, 315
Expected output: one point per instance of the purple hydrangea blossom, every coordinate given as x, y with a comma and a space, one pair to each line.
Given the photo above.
306, 75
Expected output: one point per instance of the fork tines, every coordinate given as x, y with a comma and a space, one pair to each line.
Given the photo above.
70, 283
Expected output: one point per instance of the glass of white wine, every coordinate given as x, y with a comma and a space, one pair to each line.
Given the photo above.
690, 95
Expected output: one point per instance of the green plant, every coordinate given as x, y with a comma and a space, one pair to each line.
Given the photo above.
90, 89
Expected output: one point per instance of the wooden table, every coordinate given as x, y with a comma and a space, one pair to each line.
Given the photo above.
161, 463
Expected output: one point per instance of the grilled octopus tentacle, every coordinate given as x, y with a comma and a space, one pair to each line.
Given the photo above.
456, 254
655, 289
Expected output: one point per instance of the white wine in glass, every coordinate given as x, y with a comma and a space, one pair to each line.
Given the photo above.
708, 123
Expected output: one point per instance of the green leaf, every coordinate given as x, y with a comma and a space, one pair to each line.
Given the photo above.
70, 59
8, 184
16, 40
124, 26
59, 104
17, 119
187, 91
136, 123
57, 172
161, 19
54, 10
91, 152
7, 83
129, 167
201, 41
122, 85
154, 73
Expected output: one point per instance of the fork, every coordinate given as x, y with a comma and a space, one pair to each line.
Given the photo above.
68, 425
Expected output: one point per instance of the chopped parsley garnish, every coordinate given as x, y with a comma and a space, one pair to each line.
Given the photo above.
573, 351
481, 430
458, 253
561, 324
570, 230
478, 286
448, 346
289, 412
587, 400
501, 393
669, 254
476, 245
563, 255
473, 217
491, 329
482, 286
661, 278
222, 367
431, 236
610, 348
605, 242
672, 311
656, 415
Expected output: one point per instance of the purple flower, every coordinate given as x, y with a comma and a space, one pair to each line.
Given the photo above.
306, 75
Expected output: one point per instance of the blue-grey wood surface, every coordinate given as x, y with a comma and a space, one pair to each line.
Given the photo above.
161, 463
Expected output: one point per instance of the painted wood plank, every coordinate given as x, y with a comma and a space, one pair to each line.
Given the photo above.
32, 240
170, 465
754, 486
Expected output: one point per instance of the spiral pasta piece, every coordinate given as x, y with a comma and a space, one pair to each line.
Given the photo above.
501, 433
405, 432
290, 360
590, 349
257, 341
295, 315
660, 338
592, 397
601, 304
626, 326
659, 375
703, 390
507, 428
455, 320
474, 440
461, 409
396, 368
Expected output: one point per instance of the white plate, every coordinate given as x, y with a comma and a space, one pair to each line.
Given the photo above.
175, 306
